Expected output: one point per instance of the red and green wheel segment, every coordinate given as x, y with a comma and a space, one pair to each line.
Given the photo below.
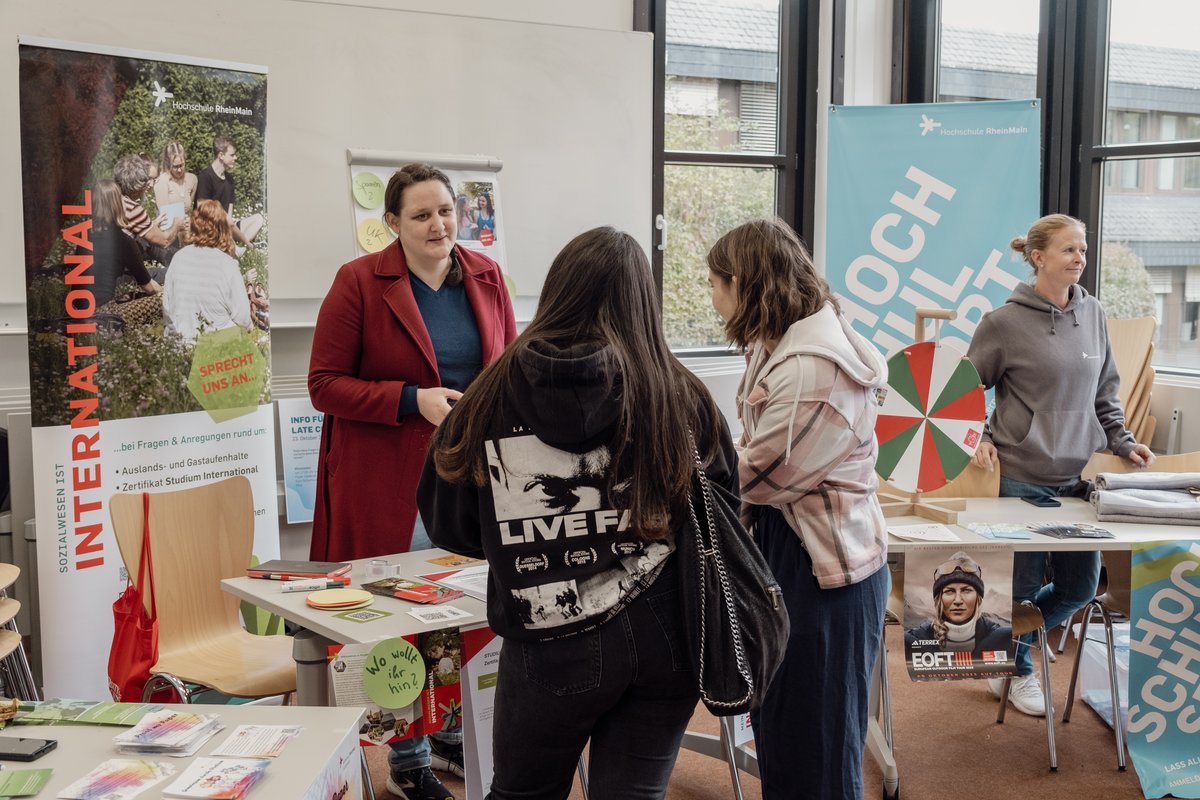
930, 418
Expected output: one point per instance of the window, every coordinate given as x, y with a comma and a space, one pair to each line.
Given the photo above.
988, 51
735, 138
1149, 242
1121, 131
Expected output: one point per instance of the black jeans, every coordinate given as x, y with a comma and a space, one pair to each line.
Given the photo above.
627, 685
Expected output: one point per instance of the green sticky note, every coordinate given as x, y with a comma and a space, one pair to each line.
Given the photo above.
228, 372
368, 190
394, 673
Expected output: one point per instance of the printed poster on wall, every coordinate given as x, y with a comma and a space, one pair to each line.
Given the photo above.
1164, 668
144, 194
958, 611
923, 200
300, 442
478, 212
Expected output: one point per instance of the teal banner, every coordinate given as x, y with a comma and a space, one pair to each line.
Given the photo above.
1164, 668
922, 202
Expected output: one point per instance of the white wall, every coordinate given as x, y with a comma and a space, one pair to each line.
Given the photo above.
560, 92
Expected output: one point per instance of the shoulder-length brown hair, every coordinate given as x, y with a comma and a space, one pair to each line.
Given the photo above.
600, 289
777, 283
108, 209
210, 227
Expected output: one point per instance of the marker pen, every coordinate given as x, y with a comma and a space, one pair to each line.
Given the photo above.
312, 584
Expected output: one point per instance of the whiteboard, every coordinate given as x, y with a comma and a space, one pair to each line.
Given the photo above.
567, 109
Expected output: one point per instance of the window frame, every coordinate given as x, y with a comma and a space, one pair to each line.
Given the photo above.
1073, 41
794, 161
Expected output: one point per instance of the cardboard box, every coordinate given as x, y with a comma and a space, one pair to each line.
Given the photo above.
1093, 670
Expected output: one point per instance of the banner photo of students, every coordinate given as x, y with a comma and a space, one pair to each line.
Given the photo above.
1164, 668
144, 195
958, 612
923, 200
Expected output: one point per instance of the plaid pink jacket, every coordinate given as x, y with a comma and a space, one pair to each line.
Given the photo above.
808, 444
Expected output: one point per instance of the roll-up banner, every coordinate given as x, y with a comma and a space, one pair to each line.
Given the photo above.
1164, 668
144, 193
923, 200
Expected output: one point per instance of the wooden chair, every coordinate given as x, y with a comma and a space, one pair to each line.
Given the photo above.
1113, 600
18, 678
1131, 341
198, 537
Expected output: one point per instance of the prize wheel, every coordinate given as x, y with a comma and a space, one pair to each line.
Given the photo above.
930, 418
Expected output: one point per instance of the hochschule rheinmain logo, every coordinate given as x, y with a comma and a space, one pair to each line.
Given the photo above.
928, 125
161, 95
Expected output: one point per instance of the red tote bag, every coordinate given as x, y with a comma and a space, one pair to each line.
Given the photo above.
135, 633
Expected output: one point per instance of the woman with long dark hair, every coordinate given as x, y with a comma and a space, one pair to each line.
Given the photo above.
569, 464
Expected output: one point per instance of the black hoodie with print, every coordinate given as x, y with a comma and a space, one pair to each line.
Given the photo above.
562, 557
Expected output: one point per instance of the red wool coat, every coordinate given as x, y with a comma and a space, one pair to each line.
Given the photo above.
370, 341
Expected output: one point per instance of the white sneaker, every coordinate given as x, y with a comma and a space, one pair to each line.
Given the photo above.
997, 687
1026, 695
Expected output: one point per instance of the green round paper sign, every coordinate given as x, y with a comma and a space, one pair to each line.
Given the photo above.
368, 190
394, 673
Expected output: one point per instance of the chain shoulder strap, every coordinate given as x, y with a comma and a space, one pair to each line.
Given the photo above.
711, 550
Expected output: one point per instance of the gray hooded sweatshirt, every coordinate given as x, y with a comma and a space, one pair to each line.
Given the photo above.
1056, 386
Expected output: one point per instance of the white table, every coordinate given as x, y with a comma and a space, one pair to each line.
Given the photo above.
322, 628
329, 741
1013, 511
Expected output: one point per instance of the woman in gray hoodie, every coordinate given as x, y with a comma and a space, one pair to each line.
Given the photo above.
1046, 352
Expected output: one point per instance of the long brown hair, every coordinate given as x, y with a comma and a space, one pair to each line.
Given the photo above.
599, 289
108, 209
777, 283
210, 227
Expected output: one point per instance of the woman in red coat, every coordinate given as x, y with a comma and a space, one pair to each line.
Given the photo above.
400, 335
376, 370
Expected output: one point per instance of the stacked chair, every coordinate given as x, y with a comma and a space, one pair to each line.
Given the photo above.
1132, 342
18, 678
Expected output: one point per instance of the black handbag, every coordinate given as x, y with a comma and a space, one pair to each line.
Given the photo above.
734, 615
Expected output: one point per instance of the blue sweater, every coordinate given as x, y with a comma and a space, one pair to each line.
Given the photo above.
455, 335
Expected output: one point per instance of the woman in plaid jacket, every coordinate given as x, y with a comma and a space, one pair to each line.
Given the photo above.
807, 469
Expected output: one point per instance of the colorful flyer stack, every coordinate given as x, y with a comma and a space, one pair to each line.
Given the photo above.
413, 591
218, 778
168, 733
